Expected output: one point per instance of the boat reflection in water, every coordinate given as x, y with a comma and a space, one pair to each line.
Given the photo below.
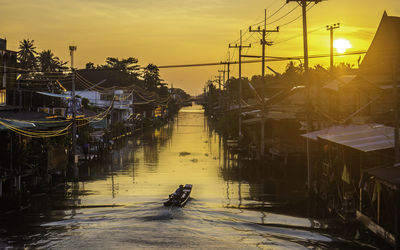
118, 203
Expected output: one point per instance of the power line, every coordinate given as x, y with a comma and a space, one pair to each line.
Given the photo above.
297, 36
270, 15
277, 11
283, 15
21, 70
296, 17
271, 59
273, 14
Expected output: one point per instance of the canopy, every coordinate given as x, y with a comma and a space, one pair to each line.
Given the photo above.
365, 138
54, 95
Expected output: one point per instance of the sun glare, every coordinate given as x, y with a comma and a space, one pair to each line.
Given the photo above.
341, 45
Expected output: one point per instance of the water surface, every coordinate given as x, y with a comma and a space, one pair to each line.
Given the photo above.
118, 202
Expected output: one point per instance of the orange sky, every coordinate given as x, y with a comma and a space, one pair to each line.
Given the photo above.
184, 31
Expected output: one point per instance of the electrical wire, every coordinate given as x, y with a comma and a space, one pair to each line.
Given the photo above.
144, 94
21, 70
293, 37
280, 18
296, 17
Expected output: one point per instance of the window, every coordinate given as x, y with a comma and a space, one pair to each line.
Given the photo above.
106, 97
3, 97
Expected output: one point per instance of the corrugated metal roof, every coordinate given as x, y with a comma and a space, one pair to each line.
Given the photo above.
339, 82
272, 115
366, 138
387, 174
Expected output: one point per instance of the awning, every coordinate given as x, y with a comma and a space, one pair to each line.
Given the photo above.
29, 120
15, 124
365, 138
54, 95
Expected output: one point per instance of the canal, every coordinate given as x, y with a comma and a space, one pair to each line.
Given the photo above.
118, 203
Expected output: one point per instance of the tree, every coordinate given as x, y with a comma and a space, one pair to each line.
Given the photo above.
344, 69
27, 54
293, 74
151, 76
232, 87
128, 65
48, 62
293, 70
90, 65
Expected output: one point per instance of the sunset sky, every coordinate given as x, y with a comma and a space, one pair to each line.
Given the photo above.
185, 31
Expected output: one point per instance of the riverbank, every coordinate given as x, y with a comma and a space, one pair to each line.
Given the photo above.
49, 168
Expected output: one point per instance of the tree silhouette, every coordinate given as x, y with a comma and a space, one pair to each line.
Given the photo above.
293, 74
151, 76
128, 65
27, 54
344, 68
48, 62
90, 65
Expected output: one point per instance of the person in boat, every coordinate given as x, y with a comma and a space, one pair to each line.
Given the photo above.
179, 191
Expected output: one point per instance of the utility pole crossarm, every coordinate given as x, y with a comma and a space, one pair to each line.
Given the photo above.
300, 1
264, 32
332, 27
239, 46
261, 30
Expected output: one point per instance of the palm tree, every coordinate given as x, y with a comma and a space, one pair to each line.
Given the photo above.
27, 54
49, 62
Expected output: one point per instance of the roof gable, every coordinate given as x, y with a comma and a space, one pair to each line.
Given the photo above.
383, 55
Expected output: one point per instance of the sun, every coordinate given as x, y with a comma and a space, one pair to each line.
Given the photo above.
341, 45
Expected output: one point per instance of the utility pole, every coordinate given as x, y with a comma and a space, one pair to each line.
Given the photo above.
227, 63
218, 77
303, 4
396, 116
263, 43
219, 95
223, 75
240, 47
72, 48
331, 28
223, 97
228, 71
